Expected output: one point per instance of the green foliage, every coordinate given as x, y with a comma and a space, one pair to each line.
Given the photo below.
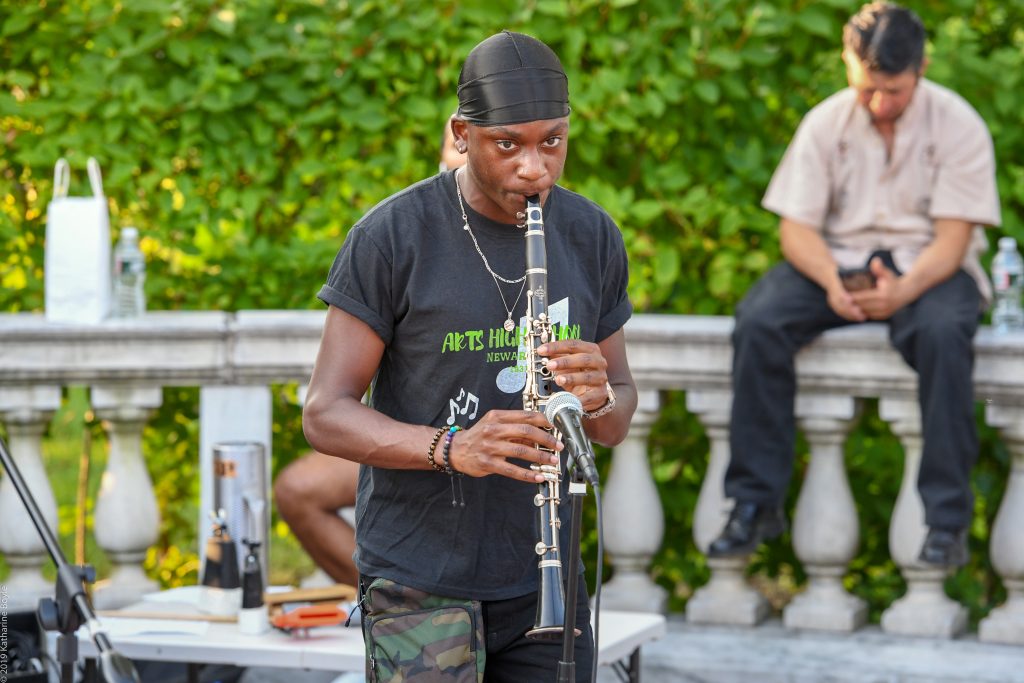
678, 451
243, 138
171, 444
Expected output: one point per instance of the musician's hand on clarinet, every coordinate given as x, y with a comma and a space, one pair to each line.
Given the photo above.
485, 448
580, 367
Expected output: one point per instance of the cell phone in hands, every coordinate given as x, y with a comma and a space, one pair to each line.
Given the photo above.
857, 279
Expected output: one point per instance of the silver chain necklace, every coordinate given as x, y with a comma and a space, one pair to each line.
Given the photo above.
509, 325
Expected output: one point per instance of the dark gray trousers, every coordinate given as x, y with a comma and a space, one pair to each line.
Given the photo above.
785, 311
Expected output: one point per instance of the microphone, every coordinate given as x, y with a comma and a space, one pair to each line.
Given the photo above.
564, 411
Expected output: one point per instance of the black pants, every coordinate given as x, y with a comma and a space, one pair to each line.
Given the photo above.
785, 311
514, 658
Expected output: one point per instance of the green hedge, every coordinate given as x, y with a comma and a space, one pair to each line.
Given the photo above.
243, 139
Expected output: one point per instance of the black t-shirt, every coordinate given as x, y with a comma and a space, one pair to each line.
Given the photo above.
410, 272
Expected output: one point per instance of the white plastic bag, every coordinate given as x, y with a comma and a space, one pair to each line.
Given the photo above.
77, 265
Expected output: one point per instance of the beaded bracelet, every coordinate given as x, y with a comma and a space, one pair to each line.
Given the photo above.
447, 448
433, 446
445, 454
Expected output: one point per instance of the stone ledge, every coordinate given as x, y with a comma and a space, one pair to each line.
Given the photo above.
695, 352
773, 654
254, 347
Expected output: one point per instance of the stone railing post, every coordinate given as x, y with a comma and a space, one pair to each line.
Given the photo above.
925, 609
825, 528
727, 598
634, 518
1005, 624
127, 520
26, 412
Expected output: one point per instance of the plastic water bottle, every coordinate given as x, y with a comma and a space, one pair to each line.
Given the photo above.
129, 276
1007, 280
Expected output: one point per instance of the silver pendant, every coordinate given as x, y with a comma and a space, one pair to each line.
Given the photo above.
509, 325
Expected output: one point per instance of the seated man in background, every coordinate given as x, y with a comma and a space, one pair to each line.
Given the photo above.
310, 491
891, 176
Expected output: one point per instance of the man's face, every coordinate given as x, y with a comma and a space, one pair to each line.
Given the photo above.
885, 96
508, 163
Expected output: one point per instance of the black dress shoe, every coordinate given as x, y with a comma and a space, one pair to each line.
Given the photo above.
944, 548
749, 525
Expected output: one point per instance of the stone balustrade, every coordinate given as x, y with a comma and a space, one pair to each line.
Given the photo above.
234, 358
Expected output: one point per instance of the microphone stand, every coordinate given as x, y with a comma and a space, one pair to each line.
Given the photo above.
577, 491
71, 607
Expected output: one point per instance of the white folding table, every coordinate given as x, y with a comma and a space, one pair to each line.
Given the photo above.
326, 648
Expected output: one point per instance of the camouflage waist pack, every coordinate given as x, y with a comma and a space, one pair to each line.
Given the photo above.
415, 637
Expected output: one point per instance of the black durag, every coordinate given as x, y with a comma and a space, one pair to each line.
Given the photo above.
512, 78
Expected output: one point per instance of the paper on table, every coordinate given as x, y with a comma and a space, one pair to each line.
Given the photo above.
187, 595
120, 627
191, 595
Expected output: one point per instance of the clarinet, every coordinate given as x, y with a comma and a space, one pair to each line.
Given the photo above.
550, 620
